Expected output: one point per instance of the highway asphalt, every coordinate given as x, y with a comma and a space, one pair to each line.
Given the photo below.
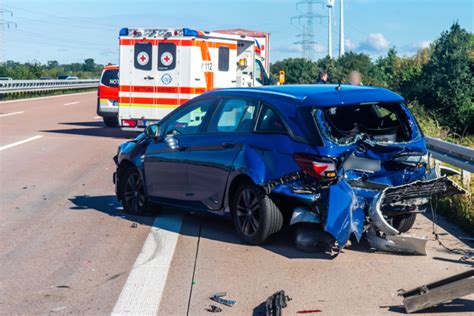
66, 247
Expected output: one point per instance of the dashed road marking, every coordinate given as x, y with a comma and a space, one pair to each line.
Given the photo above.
21, 142
13, 113
71, 103
143, 290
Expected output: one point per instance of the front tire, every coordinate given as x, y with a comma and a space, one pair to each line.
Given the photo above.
134, 200
255, 215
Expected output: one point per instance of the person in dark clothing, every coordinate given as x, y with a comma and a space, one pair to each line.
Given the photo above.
322, 78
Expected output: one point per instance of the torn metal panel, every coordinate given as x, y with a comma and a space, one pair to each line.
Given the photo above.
345, 214
397, 243
415, 194
438, 292
304, 215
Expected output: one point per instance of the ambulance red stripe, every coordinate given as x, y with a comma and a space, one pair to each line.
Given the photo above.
169, 101
171, 89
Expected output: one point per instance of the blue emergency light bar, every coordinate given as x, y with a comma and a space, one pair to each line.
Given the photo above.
189, 32
123, 31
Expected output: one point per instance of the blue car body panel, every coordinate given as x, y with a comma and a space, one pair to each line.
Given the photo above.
200, 177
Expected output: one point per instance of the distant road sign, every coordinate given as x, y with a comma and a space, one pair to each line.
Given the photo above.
281, 77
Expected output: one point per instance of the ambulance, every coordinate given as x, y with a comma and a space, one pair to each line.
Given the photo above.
160, 69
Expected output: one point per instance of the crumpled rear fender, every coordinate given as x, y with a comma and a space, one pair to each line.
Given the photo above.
345, 214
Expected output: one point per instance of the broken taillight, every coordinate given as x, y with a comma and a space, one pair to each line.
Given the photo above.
318, 167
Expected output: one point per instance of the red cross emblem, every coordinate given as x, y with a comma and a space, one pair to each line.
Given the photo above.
142, 58
166, 58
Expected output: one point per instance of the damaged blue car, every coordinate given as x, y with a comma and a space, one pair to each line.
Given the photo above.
344, 160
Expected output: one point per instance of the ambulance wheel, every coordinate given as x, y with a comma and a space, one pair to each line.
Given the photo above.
132, 188
404, 223
111, 121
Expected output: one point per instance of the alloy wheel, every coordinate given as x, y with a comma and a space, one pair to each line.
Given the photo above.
134, 194
248, 212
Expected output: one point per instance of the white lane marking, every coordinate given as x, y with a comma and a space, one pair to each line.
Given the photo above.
13, 113
71, 103
50, 97
21, 142
143, 290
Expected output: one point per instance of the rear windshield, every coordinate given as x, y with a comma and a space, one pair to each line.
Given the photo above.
385, 123
110, 78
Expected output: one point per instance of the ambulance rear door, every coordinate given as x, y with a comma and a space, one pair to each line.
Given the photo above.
138, 82
168, 81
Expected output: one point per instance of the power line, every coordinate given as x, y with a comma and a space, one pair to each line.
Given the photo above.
306, 20
4, 24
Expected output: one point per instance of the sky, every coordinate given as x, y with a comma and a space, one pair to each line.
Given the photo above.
73, 30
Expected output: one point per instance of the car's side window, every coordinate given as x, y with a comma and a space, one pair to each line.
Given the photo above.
234, 115
190, 120
270, 122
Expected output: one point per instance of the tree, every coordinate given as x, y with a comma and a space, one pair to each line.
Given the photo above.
297, 70
89, 65
447, 81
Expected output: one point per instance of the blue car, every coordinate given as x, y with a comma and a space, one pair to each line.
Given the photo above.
347, 160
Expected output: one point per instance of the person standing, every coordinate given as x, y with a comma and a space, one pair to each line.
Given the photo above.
355, 78
322, 78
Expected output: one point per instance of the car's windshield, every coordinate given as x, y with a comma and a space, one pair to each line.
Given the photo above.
380, 122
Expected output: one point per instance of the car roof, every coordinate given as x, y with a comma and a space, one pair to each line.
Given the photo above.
328, 95
108, 67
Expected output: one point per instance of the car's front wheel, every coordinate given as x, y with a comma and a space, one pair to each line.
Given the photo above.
134, 200
255, 215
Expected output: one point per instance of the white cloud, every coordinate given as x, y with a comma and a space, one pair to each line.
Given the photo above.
349, 45
318, 48
422, 45
375, 42
293, 48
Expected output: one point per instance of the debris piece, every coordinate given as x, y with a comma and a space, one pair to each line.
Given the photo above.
63, 286
397, 243
214, 309
134, 225
276, 303
57, 309
219, 298
309, 311
435, 293
24, 188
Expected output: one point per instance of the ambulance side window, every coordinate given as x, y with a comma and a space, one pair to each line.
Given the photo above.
143, 56
166, 56
223, 58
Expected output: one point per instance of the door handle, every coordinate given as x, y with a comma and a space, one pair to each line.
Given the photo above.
149, 78
228, 145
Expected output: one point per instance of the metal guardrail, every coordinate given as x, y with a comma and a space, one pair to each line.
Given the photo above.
456, 155
19, 86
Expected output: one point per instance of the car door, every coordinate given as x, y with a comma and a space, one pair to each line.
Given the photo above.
211, 156
165, 161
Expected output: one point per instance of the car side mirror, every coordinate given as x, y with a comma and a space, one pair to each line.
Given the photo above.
152, 131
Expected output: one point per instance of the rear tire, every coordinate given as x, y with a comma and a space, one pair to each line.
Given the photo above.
111, 121
132, 188
255, 215
404, 223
